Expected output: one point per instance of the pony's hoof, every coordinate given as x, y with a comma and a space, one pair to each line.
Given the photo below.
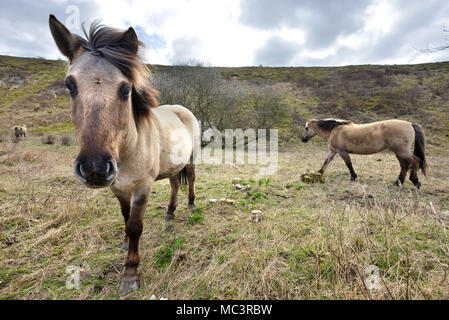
398, 183
169, 217
416, 183
191, 206
353, 178
125, 246
127, 286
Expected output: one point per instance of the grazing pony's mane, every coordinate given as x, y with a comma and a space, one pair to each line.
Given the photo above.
108, 43
329, 124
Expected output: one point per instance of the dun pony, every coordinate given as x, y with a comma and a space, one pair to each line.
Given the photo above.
345, 137
126, 141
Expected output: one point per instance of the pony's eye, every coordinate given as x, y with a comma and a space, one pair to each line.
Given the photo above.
71, 86
124, 91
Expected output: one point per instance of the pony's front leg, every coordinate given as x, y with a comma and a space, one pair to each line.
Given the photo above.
330, 157
348, 162
125, 207
134, 226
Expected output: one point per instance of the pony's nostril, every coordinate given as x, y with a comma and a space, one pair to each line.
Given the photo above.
111, 170
95, 174
77, 168
82, 172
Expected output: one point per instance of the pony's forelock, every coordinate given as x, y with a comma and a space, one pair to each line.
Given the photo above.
109, 43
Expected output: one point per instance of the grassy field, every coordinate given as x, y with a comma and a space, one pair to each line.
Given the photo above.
315, 240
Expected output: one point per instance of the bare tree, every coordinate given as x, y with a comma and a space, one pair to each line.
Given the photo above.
220, 103
266, 103
200, 88
438, 47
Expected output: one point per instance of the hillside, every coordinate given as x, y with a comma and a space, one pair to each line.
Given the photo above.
32, 92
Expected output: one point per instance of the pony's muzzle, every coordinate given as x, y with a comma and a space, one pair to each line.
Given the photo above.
96, 173
305, 139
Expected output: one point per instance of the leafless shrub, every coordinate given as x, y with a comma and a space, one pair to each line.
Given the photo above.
13, 77
203, 90
15, 139
195, 86
48, 139
396, 71
4, 137
66, 141
57, 88
266, 108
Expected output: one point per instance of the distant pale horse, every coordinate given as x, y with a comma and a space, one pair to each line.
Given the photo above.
20, 131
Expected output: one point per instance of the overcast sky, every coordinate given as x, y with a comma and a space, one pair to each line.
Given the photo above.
245, 32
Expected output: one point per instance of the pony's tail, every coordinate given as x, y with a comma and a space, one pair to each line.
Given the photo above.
420, 147
183, 177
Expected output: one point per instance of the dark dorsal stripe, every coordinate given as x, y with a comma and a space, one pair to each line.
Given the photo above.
108, 43
329, 124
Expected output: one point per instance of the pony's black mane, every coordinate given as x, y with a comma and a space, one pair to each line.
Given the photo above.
109, 44
329, 124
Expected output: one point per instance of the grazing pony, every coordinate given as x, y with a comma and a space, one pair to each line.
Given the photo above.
345, 137
20, 131
126, 141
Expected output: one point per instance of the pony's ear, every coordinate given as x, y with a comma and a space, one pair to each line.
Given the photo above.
129, 41
67, 42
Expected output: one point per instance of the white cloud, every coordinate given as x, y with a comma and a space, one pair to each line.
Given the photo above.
248, 32
214, 25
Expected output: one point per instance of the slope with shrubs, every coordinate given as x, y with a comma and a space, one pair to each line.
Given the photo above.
32, 92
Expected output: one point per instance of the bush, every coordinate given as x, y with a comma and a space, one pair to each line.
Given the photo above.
66, 141
15, 139
4, 137
48, 139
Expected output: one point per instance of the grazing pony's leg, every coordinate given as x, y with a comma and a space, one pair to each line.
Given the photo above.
414, 172
409, 160
348, 162
330, 157
190, 172
174, 184
405, 164
134, 226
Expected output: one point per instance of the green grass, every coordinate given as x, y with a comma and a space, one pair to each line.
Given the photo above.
164, 256
195, 217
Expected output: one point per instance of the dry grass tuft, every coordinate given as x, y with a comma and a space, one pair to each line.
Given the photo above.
48, 139
66, 141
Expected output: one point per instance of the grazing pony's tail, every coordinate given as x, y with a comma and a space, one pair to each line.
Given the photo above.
183, 177
420, 147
